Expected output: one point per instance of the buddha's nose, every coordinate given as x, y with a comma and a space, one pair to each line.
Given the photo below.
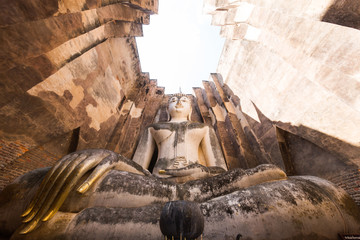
178, 104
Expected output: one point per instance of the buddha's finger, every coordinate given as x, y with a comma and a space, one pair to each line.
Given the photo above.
112, 161
46, 185
265, 173
70, 183
180, 172
54, 185
105, 165
40, 210
41, 188
124, 164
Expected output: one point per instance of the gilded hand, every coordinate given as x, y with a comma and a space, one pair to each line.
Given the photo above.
64, 176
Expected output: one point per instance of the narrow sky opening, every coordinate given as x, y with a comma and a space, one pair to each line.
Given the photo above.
180, 48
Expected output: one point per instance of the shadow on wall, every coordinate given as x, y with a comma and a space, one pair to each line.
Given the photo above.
306, 151
344, 13
307, 147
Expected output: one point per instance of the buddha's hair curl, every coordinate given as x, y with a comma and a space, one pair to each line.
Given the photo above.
178, 95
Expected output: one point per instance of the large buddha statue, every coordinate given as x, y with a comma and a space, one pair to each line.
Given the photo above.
98, 194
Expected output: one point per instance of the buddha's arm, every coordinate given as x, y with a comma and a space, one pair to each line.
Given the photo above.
145, 149
212, 150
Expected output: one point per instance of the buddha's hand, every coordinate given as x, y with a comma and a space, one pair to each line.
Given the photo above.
65, 175
192, 172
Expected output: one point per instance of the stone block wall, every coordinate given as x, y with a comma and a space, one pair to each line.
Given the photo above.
9, 151
350, 182
65, 68
17, 159
295, 67
135, 115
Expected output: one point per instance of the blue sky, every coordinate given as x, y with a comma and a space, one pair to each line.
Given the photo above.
180, 48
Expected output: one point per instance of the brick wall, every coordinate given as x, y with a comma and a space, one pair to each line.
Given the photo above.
350, 182
16, 158
11, 150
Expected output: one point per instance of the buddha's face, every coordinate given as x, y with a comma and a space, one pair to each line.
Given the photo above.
179, 107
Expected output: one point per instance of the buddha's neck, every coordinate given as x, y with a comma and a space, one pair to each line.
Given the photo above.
178, 119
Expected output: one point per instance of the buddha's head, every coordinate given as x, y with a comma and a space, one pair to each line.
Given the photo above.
179, 107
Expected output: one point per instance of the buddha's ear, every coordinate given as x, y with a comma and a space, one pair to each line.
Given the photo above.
189, 116
168, 114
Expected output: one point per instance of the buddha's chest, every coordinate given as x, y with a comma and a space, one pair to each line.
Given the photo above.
179, 134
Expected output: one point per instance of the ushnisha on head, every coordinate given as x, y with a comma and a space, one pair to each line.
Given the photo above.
179, 107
